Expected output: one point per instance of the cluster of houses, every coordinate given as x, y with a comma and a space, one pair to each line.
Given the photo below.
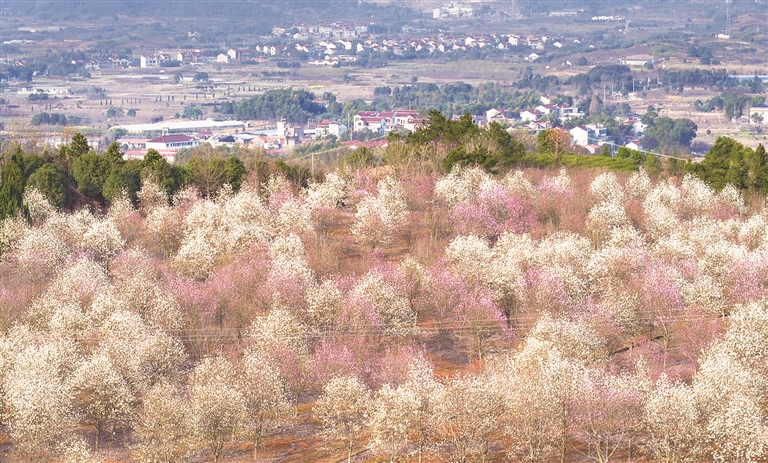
304, 31
386, 121
341, 50
189, 134
590, 137
187, 57
332, 43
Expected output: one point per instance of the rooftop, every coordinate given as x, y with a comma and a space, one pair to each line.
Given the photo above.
177, 138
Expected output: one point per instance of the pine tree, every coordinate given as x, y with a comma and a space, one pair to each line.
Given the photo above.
114, 155
758, 170
79, 146
11, 188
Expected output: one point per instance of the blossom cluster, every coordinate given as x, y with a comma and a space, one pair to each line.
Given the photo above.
533, 317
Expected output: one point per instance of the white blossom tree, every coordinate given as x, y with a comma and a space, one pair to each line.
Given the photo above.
673, 422
737, 431
266, 405
404, 418
344, 409
102, 395
39, 401
218, 407
607, 410
422, 429
282, 338
379, 217
163, 429
143, 355
393, 410
468, 413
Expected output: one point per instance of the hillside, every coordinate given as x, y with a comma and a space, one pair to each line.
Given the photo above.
62, 10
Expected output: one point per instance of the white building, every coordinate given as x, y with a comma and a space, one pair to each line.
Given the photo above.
172, 142
327, 127
592, 134
148, 61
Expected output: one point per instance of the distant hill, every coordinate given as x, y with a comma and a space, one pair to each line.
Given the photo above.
272, 10
262, 10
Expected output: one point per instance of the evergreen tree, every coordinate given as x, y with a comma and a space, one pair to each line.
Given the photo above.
724, 163
91, 171
79, 146
757, 179
123, 179
113, 154
234, 170
165, 175
12, 188
51, 181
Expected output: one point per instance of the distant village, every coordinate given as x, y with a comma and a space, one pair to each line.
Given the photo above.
333, 43
591, 138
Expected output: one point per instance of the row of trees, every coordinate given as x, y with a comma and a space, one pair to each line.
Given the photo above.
295, 105
77, 173
55, 119
457, 98
730, 162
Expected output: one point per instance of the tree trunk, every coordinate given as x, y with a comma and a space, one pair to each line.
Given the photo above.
98, 435
255, 449
564, 433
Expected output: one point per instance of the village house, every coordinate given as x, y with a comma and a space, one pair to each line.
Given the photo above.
634, 144
500, 115
327, 127
172, 142
567, 112
288, 134
591, 134
530, 115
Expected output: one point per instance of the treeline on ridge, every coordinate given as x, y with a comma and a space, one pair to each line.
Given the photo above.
77, 175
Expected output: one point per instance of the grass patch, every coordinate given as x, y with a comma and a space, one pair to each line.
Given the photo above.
575, 160
578, 160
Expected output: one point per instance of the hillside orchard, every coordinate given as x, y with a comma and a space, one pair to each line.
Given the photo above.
389, 313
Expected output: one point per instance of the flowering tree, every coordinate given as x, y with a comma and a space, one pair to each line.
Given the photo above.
103, 396
142, 355
468, 411
163, 426
393, 410
673, 422
282, 338
264, 399
218, 407
344, 409
480, 323
392, 309
38, 400
607, 409
422, 429
492, 212
379, 217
